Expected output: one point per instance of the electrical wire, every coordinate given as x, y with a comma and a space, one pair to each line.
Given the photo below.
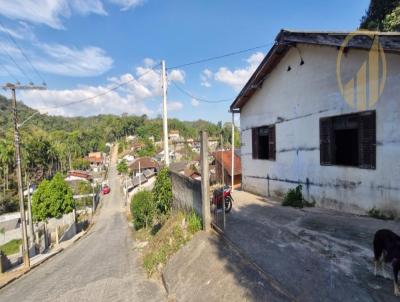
23, 53
15, 63
102, 93
8, 72
220, 56
198, 98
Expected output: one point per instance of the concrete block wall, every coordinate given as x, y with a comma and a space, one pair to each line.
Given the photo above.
186, 193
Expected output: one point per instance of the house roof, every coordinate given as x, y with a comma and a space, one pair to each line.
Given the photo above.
225, 157
287, 39
145, 163
80, 174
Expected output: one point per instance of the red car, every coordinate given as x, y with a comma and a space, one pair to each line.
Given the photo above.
105, 190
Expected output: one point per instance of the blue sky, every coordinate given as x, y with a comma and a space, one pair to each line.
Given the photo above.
84, 47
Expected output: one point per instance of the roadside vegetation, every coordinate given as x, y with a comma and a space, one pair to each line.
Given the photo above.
378, 214
11, 247
294, 198
162, 231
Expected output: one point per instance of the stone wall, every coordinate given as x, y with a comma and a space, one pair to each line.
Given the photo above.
186, 193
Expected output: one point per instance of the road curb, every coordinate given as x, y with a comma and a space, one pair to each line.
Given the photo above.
271, 281
31, 268
44, 260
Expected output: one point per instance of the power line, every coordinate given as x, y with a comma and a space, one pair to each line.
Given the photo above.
102, 93
8, 71
15, 63
198, 98
22, 52
220, 56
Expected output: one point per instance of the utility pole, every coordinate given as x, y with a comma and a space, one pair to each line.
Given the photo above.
233, 151
205, 182
13, 88
165, 118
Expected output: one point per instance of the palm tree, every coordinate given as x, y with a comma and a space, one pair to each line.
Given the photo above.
6, 160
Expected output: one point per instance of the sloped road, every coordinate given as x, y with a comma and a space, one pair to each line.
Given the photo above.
102, 266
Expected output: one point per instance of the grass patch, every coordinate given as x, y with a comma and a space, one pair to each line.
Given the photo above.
378, 214
11, 247
294, 198
174, 233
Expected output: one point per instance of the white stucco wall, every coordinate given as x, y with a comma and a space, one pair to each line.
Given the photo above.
295, 101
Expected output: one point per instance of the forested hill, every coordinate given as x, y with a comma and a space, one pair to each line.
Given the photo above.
110, 127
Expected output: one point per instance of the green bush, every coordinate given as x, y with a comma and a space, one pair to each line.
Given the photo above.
162, 192
378, 214
122, 167
294, 198
194, 222
142, 209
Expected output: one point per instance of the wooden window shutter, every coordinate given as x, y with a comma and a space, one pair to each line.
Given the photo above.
367, 140
254, 142
325, 141
272, 143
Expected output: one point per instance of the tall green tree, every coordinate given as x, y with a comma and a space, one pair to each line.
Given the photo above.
162, 191
53, 198
378, 11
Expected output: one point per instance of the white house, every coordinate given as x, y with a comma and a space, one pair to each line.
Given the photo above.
323, 110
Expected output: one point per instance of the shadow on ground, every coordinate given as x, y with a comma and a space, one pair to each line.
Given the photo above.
312, 254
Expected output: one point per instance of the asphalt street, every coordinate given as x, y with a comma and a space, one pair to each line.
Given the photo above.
102, 266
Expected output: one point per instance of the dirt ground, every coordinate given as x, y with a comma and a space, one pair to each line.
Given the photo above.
314, 254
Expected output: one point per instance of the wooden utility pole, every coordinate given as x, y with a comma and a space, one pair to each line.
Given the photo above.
165, 117
205, 182
13, 88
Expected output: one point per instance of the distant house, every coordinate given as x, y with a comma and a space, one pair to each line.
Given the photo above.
95, 158
78, 175
223, 165
322, 110
174, 135
191, 172
144, 163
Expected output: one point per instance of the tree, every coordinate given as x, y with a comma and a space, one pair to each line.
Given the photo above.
392, 20
122, 167
377, 12
162, 191
52, 199
81, 164
142, 209
6, 160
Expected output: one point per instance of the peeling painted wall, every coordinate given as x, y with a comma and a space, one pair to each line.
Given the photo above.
295, 100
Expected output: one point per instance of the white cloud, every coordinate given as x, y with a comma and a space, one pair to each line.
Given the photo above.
172, 106
131, 97
195, 103
70, 61
177, 75
237, 78
49, 12
205, 77
127, 4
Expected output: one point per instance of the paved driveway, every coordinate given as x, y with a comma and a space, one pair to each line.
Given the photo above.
314, 254
100, 267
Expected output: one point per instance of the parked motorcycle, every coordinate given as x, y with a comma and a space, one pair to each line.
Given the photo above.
222, 194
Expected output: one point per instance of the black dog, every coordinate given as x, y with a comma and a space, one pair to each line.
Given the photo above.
387, 249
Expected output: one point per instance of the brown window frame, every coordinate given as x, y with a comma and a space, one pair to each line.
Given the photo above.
259, 134
365, 125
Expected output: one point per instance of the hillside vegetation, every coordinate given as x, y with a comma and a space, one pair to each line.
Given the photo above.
51, 144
